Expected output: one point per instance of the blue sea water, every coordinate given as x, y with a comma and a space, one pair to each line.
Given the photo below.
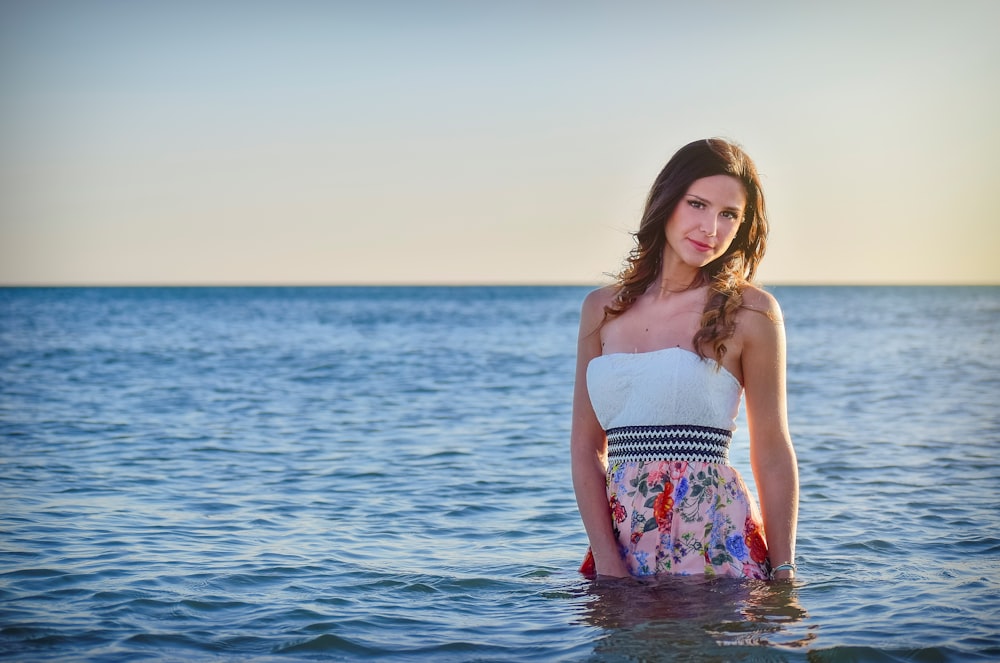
287, 474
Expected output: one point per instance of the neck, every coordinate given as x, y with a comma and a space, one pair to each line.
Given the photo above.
675, 277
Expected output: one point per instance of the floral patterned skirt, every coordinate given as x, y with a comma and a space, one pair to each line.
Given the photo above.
681, 517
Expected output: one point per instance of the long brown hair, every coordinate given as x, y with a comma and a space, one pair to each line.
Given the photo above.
727, 274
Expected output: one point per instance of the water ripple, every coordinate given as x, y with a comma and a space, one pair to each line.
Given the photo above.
303, 474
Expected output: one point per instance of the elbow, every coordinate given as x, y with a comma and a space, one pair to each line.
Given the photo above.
777, 462
587, 454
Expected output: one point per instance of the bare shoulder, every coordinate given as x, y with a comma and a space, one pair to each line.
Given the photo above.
596, 300
756, 300
760, 316
592, 314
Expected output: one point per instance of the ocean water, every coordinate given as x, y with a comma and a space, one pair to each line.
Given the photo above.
286, 474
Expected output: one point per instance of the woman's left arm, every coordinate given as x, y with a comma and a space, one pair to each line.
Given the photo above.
772, 456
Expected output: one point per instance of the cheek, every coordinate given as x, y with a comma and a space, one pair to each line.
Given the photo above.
730, 232
668, 227
729, 238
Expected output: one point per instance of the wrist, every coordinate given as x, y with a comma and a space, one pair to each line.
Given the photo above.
782, 571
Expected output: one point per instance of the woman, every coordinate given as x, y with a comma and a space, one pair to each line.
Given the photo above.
663, 359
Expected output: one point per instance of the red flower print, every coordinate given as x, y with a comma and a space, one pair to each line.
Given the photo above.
678, 468
635, 537
589, 566
663, 505
655, 476
755, 541
617, 510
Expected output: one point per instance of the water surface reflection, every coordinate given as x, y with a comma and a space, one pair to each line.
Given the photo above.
698, 618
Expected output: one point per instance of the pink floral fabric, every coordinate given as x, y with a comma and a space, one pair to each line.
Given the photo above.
685, 518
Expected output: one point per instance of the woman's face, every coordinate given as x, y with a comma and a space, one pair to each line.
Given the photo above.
706, 219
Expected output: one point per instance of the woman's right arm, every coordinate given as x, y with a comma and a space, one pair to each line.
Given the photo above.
588, 446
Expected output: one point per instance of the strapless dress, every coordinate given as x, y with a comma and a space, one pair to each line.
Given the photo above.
677, 506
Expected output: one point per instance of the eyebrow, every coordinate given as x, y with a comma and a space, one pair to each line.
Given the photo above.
706, 200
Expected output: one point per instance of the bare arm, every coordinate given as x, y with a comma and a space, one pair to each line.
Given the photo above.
772, 455
588, 447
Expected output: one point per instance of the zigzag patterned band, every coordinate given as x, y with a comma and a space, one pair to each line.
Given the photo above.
650, 443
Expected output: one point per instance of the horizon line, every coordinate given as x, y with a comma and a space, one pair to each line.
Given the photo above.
473, 284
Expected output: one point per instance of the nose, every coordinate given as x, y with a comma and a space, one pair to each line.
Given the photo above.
710, 227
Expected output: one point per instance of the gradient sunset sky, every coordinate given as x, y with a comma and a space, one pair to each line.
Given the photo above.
307, 142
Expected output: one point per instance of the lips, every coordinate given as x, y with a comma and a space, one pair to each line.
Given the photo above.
704, 248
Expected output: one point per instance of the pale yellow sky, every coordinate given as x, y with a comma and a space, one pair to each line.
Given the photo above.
466, 142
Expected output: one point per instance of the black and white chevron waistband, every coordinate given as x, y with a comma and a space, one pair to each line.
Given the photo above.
648, 443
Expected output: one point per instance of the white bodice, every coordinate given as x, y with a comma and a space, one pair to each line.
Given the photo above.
665, 387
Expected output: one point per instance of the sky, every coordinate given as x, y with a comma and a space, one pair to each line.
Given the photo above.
468, 142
